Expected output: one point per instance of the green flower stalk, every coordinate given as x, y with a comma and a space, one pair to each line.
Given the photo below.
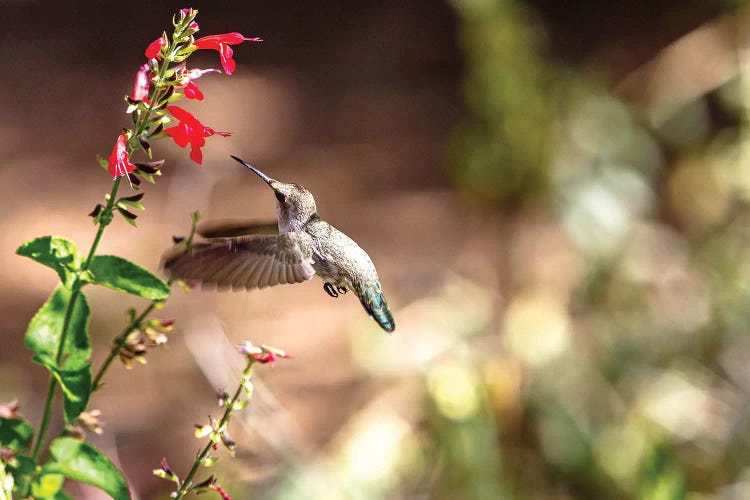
218, 430
58, 333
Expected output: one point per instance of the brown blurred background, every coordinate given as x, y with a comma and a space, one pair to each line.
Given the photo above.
555, 195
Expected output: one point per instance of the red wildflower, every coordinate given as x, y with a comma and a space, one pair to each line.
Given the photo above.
119, 159
190, 89
153, 49
262, 354
224, 495
140, 86
221, 43
190, 131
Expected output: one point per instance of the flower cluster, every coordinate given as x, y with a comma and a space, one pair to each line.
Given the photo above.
217, 430
145, 335
162, 80
262, 354
86, 421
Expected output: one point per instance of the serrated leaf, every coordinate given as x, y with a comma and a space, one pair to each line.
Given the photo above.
76, 386
45, 328
55, 252
85, 463
122, 275
15, 433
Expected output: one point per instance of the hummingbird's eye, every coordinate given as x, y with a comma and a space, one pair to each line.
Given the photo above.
280, 196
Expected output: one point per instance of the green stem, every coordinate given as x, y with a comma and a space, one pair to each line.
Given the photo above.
45, 417
104, 222
118, 343
66, 323
187, 482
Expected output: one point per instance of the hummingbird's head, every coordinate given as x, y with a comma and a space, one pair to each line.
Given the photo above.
296, 204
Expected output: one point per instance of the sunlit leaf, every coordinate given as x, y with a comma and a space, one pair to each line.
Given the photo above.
22, 468
56, 252
124, 276
48, 486
83, 462
15, 433
43, 333
76, 386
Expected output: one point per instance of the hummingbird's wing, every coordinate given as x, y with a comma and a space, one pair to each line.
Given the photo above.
226, 229
246, 262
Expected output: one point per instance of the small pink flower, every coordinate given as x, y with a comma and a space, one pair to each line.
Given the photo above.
190, 131
188, 12
119, 159
221, 43
141, 84
262, 354
154, 48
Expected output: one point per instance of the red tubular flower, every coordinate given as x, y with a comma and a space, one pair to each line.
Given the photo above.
221, 43
190, 131
153, 49
224, 495
141, 84
190, 89
119, 159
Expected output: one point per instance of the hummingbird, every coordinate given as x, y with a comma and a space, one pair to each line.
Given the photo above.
296, 248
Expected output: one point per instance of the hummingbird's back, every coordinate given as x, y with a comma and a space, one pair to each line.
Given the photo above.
338, 259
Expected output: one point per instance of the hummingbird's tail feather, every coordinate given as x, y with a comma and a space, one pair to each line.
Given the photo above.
373, 301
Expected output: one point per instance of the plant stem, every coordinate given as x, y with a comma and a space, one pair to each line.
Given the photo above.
45, 417
118, 343
66, 323
187, 482
77, 283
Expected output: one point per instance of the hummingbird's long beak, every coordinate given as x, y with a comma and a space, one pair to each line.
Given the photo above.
260, 174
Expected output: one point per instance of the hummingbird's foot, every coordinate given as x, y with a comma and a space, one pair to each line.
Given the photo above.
342, 289
330, 290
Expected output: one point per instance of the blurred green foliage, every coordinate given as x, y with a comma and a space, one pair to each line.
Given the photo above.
502, 150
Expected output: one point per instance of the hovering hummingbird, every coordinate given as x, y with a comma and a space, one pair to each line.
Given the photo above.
300, 246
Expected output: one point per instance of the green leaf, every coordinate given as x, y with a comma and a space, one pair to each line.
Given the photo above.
47, 486
15, 433
83, 462
76, 386
56, 252
124, 276
131, 201
45, 328
22, 469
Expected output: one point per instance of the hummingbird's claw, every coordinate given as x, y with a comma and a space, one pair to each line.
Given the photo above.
342, 289
330, 290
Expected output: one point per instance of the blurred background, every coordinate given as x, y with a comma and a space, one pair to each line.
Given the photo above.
556, 196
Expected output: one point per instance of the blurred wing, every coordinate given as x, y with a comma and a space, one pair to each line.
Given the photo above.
227, 229
246, 262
